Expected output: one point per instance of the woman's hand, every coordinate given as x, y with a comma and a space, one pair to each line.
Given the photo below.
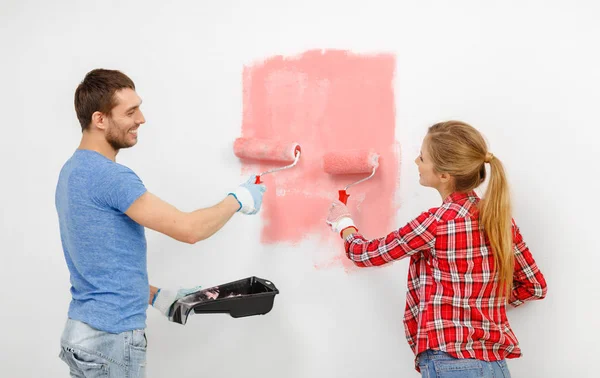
339, 217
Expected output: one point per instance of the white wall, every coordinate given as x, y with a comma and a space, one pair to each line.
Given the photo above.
524, 72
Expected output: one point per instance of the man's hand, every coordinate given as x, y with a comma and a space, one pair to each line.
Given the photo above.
164, 298
339, 217
249, 195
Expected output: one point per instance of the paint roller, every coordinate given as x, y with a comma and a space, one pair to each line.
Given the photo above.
267, 150
350, 162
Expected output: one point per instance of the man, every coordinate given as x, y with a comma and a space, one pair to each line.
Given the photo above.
103, 208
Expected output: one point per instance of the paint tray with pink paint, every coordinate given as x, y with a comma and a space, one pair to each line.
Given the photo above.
246, 297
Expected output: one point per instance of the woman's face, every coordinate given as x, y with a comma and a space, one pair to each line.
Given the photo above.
427, 174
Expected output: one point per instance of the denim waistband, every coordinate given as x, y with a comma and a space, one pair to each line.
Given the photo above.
430, 354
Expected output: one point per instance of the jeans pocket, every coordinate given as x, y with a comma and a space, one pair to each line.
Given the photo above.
138, 339
89, 365
458, 368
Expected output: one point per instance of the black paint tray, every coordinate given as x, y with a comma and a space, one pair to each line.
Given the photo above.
245, 297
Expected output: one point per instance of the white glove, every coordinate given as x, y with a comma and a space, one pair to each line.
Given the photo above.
249, 195
164, 298
339, 217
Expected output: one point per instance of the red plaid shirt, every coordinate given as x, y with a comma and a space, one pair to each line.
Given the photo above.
452, 303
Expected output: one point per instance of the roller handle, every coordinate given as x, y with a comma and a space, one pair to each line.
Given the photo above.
343, 195
257, 181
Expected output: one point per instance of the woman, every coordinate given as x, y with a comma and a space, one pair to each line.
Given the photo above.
467, 259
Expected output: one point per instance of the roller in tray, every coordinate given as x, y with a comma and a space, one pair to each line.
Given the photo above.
246, 297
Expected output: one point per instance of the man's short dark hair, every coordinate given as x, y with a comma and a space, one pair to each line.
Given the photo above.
97, 93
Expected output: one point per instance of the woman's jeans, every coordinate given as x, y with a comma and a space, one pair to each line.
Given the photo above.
438, 364
91, 353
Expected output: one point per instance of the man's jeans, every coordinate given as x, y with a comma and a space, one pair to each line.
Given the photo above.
91, 353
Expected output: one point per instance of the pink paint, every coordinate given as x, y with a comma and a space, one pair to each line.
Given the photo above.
212, 294
325, 101
348, 162
258, 149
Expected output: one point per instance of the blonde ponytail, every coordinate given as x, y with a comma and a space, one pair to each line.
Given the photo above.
496, 219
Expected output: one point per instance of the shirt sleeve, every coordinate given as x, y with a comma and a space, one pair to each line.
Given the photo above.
417, 235
119, 187
528, 280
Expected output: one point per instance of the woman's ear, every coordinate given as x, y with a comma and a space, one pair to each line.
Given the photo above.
445, 178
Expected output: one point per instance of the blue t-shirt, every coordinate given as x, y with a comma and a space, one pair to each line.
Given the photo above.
105, 250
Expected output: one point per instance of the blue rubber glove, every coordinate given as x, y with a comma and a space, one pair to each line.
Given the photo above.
164, 298
249, 195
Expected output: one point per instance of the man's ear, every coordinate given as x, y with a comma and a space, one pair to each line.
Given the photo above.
99, 120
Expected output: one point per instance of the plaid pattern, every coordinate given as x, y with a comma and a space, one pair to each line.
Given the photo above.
452, 303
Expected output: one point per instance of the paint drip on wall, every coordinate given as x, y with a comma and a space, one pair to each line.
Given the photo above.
326, 101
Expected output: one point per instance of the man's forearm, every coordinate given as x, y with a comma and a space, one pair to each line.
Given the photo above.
156, 214
205, 222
